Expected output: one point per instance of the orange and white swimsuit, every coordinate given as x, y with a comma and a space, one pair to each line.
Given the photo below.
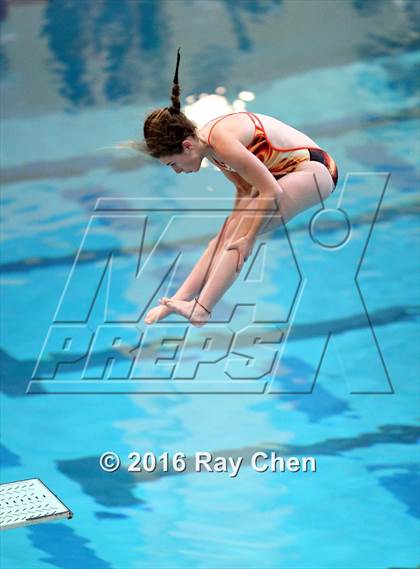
279, 161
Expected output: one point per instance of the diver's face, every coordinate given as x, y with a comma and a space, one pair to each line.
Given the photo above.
189, 160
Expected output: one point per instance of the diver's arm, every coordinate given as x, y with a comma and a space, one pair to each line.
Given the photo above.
243, 191
253, 171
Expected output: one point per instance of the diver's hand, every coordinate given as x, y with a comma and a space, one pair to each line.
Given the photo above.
244, 247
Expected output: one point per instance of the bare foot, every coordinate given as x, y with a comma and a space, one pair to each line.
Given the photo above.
190, 310
160, 312
157, 313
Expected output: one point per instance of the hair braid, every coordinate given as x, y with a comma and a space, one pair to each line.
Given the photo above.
165, 129
176, 103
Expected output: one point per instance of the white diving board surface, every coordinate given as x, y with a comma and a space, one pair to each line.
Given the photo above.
29, 502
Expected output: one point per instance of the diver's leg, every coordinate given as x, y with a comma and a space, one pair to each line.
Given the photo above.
193, 283
307, 186
222, 274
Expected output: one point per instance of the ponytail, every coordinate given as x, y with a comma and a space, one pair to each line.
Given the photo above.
165, 129
176, 103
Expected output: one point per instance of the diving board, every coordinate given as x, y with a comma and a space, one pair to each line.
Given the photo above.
29, 502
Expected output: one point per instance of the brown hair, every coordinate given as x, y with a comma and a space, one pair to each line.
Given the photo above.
165, 129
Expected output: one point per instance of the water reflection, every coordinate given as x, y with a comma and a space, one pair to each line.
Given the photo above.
4, 62
130, 42
127, 40
236, 10
381, 43
364, 8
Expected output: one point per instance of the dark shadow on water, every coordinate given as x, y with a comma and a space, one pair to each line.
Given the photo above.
297, 375
8, 458
111, 491
403, 484
63, 547
110, 516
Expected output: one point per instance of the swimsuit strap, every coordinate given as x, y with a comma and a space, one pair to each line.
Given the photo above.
257, 122
260, 125
251, 115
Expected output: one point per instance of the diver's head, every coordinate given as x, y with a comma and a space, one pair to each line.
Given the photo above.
170, 136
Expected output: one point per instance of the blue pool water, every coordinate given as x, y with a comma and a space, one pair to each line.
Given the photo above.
77, 78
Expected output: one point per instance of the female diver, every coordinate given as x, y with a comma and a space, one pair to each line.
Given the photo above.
277, 171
